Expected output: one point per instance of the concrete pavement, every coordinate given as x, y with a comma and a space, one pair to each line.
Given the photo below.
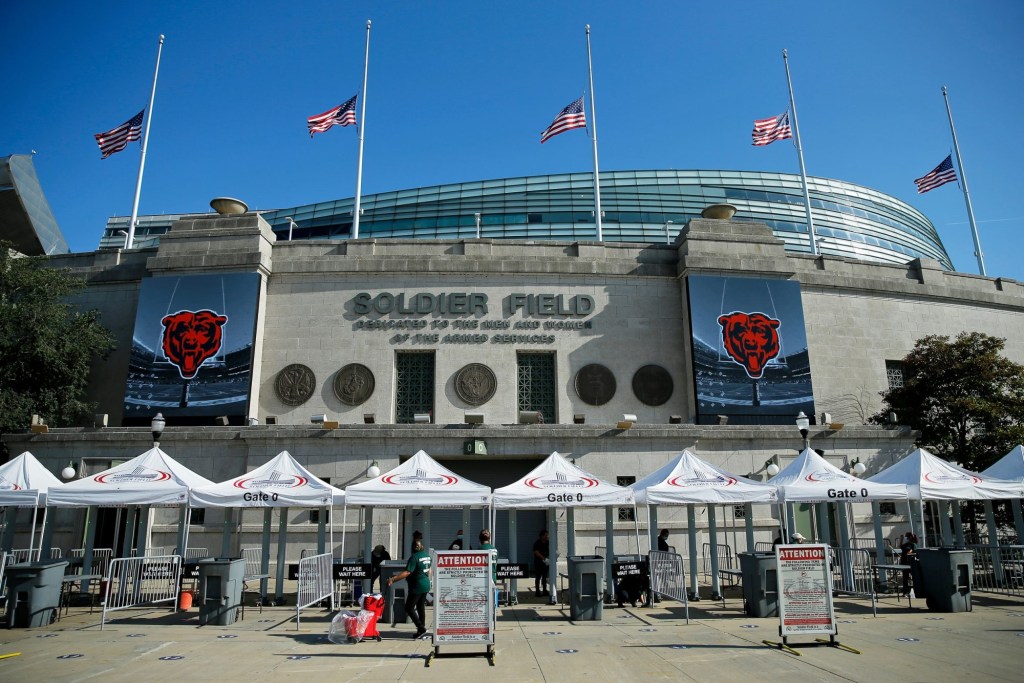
534, 642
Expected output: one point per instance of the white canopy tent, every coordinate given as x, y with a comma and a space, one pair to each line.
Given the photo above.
280, 483
688, 480
929, 477
24, 483
1011, 468
557, 483
811, 478
151, 479
419, 482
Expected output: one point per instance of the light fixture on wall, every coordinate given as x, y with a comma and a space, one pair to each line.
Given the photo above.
317, 419
857, 467
579, 418
626, 422
474, 418
531, 417
156, 427
373, 471
421, 418
68, 473
675, 419
369, 418
803, 423
771, 467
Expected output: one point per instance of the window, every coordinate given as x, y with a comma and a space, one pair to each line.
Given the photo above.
536, 375
198, 516
887, 508
626, 514
414, 386
739, 511
894, 373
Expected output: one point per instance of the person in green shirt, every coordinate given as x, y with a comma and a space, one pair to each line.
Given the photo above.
417, 575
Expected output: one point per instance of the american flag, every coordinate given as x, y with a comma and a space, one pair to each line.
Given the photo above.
342, 115
117, 139
567, 119
942, 174
767, 131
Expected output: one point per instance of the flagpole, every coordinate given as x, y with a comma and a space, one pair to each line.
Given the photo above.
593, 127
800, 155
963, 183
130, 239
362, 130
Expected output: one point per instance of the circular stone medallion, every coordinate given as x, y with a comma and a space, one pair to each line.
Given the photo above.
295, 384
652, 385
595, 384
475, 384
353, 384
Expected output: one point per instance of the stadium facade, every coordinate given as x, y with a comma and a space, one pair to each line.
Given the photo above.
490, 353
638, 206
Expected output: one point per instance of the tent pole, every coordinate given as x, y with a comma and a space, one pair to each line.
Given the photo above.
691, 522
843, 513
225, 538
716, 588
570, 530
131, 514
1018, 521
553, 557
636, 529
32, 533
748, 516
90, 540
993, 542
10, 522
282, 553
943, 519
513, 555
958, 523
652, 527
46, 537
609, 541
321, 531
876, 516
367, 541
268, 516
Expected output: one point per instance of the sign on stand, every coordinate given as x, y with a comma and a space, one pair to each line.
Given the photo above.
805, 594
463, 587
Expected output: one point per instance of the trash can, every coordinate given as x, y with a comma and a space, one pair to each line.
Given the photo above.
220, 589
33, 593
945, 579
586, 587
394, 603
760, 584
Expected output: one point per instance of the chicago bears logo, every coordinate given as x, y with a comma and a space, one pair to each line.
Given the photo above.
191, 337
750, 339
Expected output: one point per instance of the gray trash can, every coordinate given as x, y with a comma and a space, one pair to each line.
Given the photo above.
945, 579
586, 587
220, 589
760, 584
394, 597
33, 593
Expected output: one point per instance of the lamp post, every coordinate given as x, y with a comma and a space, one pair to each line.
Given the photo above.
68, 473
802, 423
157, 427
373, 471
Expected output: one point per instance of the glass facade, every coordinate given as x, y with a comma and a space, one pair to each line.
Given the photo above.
850, 220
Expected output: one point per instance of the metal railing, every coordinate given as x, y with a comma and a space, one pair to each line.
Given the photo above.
100, 559
196, 553
315, 584
253, 561
21, 555
726, 561
998, 570
668, 578
135, 581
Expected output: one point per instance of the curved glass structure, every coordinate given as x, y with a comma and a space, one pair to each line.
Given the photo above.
638, 206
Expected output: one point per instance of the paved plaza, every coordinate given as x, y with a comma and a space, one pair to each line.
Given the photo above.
534, 642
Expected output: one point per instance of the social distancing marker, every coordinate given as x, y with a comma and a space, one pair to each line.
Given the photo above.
568, 651
906, 639
172, 658
298, 657
73, 656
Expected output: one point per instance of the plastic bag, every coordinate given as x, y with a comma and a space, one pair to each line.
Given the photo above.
348, 627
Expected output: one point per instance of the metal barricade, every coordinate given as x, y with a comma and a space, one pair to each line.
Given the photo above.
998, 570
21, 555
4, 559
196, 553
100, 559
728, 569
668, 579
315, 584
764, 547
253, 561
135, 581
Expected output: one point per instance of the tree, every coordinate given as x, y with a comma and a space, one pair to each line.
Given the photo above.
46, 346
964, 395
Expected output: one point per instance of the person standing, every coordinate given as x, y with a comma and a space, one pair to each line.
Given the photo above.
457, 543
908, 554
417, 574
663, 541
379, 555
541, 553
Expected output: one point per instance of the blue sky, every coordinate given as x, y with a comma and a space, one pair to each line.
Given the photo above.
460, 91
